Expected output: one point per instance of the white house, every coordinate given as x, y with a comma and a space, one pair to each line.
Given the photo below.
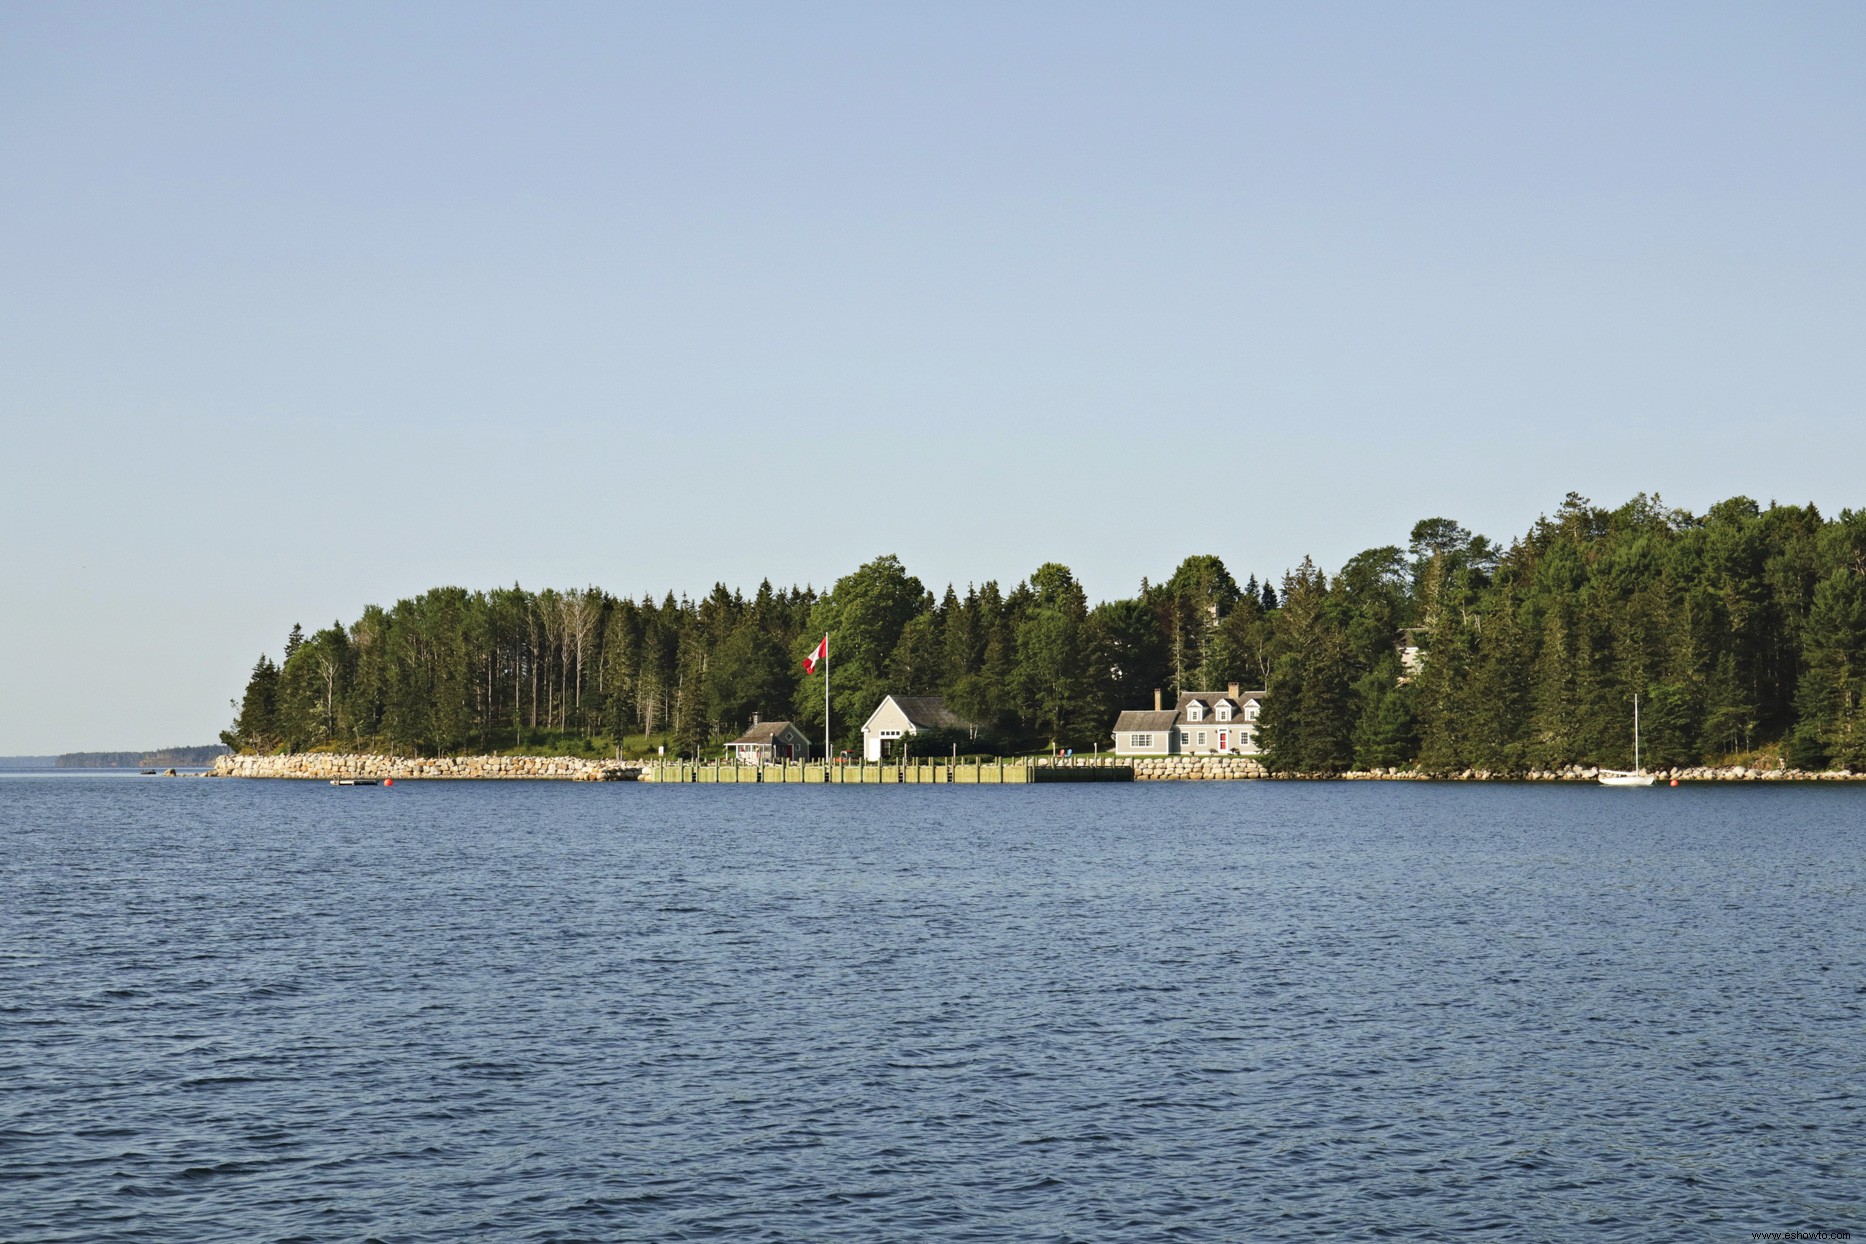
1203, 723
768, 741
900, 715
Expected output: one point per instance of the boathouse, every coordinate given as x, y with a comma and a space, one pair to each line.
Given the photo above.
898, 716
769, 741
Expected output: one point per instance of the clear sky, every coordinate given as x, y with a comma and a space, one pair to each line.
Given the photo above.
304, 306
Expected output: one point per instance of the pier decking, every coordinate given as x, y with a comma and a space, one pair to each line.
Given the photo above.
933, 771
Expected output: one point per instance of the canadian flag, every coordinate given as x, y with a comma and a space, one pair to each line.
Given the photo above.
816, 658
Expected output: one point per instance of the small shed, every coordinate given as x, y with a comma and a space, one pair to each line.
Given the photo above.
769, 741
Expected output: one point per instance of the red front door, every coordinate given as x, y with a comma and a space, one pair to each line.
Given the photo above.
1221, 740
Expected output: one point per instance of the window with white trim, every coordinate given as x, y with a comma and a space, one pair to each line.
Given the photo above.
1201, 738
1185, 738
1140, 740
1224, 712
1194, 711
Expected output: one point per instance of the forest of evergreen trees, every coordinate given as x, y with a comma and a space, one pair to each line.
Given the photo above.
1740, 629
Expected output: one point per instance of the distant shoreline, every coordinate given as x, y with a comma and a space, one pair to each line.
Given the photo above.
158, 758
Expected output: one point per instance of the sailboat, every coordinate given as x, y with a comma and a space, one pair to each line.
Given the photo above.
1638, 775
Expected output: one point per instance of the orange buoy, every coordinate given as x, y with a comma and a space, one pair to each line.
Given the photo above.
391, 782
1674, 781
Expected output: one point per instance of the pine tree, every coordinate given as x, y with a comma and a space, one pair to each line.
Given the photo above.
1386, 732
1308, 722
690, 725
1052, 659
1495, 697
1831, 700
255, 729
919, 658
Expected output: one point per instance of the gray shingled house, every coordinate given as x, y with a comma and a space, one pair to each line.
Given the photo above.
1203, 723
900, 715
769, 741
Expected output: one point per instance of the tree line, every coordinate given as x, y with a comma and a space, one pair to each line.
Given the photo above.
185, 756
1740, 629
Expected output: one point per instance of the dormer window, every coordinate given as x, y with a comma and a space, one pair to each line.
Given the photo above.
1195, 711
1224, 711
1250, 711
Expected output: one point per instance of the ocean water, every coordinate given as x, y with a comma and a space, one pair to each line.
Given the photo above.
270, 1011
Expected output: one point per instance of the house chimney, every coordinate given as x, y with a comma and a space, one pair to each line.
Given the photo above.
755, 715
1234, 691
1156, 699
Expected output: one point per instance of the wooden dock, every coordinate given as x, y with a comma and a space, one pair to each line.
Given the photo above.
959, 771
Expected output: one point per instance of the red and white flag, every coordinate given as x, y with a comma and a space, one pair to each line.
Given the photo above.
816, 658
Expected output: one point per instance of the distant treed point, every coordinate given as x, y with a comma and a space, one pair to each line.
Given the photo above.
1743, 631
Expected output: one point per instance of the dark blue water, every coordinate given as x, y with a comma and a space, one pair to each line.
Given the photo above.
1253, 1011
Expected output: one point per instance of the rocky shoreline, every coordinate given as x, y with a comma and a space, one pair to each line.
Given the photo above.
1195, 768
310, 766
1235, 768
1579, 773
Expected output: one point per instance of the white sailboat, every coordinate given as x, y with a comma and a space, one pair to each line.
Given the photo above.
1637, 776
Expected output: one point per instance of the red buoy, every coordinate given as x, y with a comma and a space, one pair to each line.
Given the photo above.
1674, 781
391, 782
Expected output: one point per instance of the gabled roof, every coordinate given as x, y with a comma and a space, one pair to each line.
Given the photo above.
1211, 700
1144, 720
928, 712
763, 732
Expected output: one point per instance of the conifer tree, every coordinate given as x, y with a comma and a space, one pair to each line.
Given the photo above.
1831, 700
255, 729
1052, 656
1308, 724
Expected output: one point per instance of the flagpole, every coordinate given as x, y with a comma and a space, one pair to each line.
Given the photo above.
826, 706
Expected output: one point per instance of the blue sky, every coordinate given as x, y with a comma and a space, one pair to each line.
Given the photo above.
306, 306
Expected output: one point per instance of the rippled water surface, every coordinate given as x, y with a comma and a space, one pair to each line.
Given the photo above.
1252, 1011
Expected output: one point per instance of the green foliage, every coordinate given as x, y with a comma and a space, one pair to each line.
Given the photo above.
255, 728
1308, 717
1129, 653
1053, 670
864, 616
1831, 699
1386, 734
1192, 607
750, 674
1741, 629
